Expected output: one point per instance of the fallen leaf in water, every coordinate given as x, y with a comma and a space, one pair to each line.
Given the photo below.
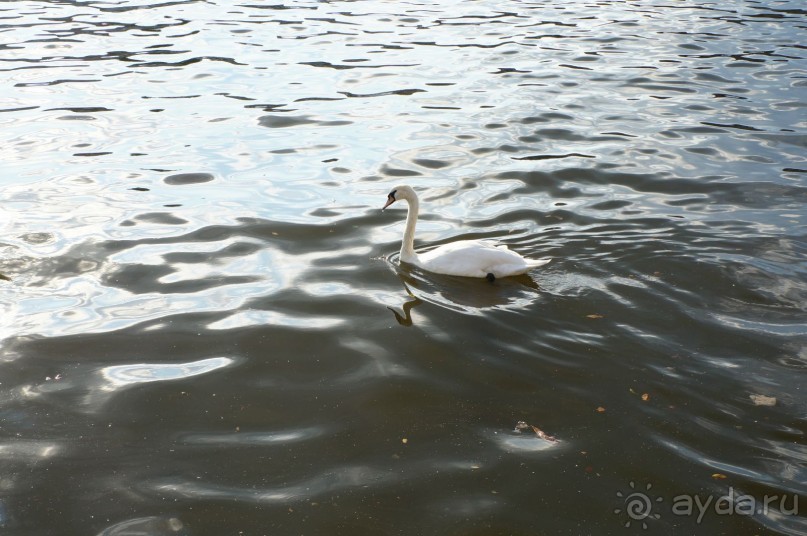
404, 441
594, 316
543, 435
645, 397
719, 476
762, 400
521, 426
601, 409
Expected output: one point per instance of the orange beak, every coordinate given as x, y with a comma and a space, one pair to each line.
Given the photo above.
390, 200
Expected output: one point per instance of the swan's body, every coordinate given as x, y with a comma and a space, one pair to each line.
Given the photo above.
469, 258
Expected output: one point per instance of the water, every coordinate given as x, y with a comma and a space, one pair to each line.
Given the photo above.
206, 331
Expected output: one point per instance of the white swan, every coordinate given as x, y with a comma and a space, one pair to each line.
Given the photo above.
469, 258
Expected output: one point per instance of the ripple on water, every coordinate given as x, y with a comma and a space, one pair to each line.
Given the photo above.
253, 438
153, 525
188, 178
126, 375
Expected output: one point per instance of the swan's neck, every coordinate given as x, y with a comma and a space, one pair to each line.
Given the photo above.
408, 245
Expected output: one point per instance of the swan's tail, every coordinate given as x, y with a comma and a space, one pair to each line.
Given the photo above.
535, 263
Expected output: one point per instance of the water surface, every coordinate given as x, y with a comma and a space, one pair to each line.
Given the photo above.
205, 328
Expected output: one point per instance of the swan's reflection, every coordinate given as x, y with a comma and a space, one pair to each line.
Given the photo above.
405, 319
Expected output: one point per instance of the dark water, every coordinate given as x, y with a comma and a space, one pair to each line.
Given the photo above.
205, 330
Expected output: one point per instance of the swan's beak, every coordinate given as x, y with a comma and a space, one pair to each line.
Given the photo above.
390, 200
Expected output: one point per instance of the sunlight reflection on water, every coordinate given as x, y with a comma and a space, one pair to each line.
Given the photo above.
125, 375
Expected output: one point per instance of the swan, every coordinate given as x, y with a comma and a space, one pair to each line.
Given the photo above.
468, 258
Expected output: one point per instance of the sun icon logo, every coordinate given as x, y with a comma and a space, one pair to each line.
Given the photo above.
638, 505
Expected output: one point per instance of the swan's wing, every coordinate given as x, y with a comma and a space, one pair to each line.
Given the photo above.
475, 258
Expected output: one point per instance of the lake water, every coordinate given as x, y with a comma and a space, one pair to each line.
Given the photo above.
206, 330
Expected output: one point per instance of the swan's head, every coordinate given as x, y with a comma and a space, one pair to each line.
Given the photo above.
398, 193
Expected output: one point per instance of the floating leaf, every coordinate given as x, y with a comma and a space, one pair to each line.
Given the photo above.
762, 400
645, 397
719, 476
601, 409
521, 426
543, 435
594, 316
404, 441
